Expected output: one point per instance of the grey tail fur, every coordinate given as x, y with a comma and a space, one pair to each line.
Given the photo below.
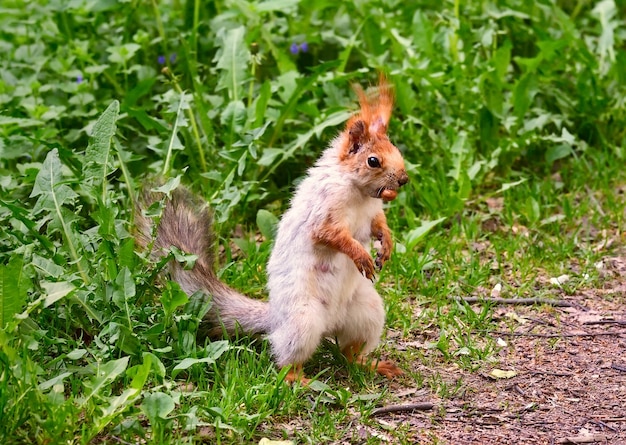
186, 223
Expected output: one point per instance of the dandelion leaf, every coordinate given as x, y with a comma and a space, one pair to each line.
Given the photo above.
232, 60
98, 156
14, 283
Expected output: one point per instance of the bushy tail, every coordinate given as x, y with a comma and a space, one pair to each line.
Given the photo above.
186, 223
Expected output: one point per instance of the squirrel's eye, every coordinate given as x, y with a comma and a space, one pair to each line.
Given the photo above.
373, 162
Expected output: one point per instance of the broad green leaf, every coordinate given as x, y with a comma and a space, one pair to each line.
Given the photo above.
76, 354
501, 60
267, 222
232, 60
14, 283
234, 116
53, 381
47, 266
214, 351
125, 288
140, 373
524, 93
157, 405
187, 260
126, 253
157, 365
52, 196
124, 293
274, 5
509, 185
55, 291
105, 374
557, 152
19, 121
605, 11
81, 296
260, 103
423, 32
270, 155
116, 405
122, 53
174, 141
416, 235
491, 89
189, 362
49, 187
459, 151
98, 155
173, 297
170, 185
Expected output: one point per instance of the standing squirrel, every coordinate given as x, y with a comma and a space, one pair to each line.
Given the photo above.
320, 273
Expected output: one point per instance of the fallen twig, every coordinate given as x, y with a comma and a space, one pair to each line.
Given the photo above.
618, 367
557, 303
603, 425
620, 322
565, 334
584, 439
556, 374
424, 406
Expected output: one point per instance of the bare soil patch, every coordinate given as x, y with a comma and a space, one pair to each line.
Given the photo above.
569, 384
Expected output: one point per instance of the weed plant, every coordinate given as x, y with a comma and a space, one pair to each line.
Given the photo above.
516, 103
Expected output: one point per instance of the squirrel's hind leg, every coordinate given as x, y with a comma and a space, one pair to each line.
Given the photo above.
362, 330
295, 338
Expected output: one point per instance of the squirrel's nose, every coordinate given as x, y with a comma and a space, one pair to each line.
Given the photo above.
403, 178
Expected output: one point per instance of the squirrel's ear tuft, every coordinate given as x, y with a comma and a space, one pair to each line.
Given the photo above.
376, 106
356, 133
381, 107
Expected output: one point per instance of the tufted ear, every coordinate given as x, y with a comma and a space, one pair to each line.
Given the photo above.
381, 107
357, 136
376, 106
371, 120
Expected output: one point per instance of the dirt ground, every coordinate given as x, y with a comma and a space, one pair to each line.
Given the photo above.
569, 384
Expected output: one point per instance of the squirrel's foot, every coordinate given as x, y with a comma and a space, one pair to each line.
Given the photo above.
382, 367
387, 368
296, 374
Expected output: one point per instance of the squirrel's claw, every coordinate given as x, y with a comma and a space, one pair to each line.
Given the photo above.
366, 267
382, 256
380, 260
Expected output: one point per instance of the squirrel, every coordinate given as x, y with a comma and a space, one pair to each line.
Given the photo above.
320, 273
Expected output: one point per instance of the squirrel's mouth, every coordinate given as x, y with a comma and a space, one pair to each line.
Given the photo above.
386, 194
389, 191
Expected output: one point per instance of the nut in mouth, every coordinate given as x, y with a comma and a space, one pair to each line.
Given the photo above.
387, 194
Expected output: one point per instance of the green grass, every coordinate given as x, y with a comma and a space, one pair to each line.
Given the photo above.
511, 118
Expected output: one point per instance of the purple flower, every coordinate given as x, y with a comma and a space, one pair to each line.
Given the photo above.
294, 48
173, 58
304, 47
161, 60
79, 79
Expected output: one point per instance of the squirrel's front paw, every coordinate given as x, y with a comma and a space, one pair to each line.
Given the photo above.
365, 264
381, 258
